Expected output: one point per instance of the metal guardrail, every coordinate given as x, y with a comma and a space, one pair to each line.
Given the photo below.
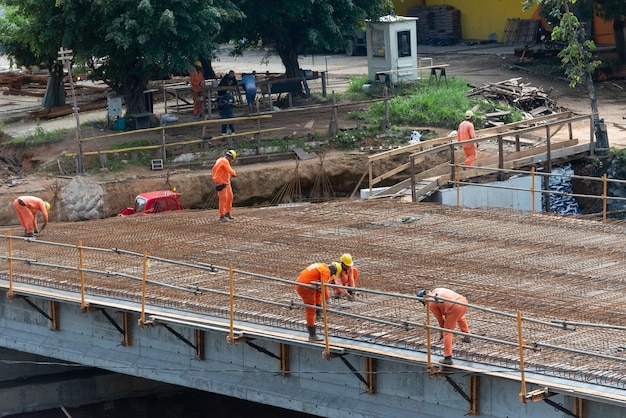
551, 124
247, 297
533, 173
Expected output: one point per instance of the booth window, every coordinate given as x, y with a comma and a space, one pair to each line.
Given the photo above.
404, 43
378, 43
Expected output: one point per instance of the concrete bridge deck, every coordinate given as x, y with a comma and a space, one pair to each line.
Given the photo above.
565, 275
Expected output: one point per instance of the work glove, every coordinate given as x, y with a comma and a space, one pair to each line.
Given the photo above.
43, 227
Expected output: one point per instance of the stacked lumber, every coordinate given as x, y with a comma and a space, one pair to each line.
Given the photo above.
532, 100
437, 24
13, 83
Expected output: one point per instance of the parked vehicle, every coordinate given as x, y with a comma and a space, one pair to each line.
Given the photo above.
355, 42
154, 202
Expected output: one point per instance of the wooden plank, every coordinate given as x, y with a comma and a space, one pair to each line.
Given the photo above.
303, 155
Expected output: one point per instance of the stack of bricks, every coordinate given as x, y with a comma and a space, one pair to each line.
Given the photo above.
437, 24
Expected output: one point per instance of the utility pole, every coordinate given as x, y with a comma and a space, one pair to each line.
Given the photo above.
66, 57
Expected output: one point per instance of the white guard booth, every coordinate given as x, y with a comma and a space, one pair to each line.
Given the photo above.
392, 49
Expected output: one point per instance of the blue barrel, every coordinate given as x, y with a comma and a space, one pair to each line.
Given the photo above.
119, 124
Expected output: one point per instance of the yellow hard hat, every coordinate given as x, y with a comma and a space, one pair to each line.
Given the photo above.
197, 64
47, 205
469, 114
232, 154
346, 259
337, 268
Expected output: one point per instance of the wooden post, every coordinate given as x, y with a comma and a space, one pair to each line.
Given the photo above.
66, 57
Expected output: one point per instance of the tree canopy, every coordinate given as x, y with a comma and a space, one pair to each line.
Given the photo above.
293, 27
126, 42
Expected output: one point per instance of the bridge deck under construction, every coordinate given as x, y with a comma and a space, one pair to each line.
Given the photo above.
565, 273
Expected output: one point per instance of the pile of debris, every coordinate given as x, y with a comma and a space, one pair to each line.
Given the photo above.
531, 100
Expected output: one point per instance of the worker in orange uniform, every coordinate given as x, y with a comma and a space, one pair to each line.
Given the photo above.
222, 171
27, 208
466, 132
308, 277
196, 78
348, 278
448, 314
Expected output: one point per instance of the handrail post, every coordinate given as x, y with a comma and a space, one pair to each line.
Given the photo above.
144, 284
81, 273
429, 362
231, 302
532, 190
371, 179
323, 290
520, 339
604, 187
412, 169
500, 157
164, 142
10, 260
452, 162
457, 185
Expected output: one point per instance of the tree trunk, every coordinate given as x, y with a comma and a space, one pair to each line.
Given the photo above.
602, 139
55, 90
135, 100
289, 57
620, 39
207, 68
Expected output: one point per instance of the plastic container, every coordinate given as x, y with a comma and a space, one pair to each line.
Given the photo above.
119, 124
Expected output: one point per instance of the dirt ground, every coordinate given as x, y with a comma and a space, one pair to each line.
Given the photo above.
478, 67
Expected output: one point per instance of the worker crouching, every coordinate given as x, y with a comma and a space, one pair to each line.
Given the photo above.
27, 208
312, 297
348, 278
448, 314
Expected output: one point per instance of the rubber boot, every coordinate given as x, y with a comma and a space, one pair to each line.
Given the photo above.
312, 335
318, 312
446, 360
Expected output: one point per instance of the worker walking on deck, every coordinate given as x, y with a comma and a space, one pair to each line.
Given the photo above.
466, 132
315, 273
448, 314
348, 278
27, 208
221, 173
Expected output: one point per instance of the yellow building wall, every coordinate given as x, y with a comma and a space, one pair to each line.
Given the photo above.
480, 19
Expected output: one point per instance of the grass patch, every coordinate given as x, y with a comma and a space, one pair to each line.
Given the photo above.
39, 137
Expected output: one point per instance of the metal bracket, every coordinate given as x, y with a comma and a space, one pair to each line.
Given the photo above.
37, 308
542, 395
112, 321
355, 372
262, 350
124, 329
180, 336
458, 389
560, 407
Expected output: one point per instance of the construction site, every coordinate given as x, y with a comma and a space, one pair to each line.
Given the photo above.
545, 292
547, 287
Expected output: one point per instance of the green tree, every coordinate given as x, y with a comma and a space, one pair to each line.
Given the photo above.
34, 38
295, 26
127, 43
576, 56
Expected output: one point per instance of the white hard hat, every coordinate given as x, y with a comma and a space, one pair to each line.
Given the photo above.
469, 114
